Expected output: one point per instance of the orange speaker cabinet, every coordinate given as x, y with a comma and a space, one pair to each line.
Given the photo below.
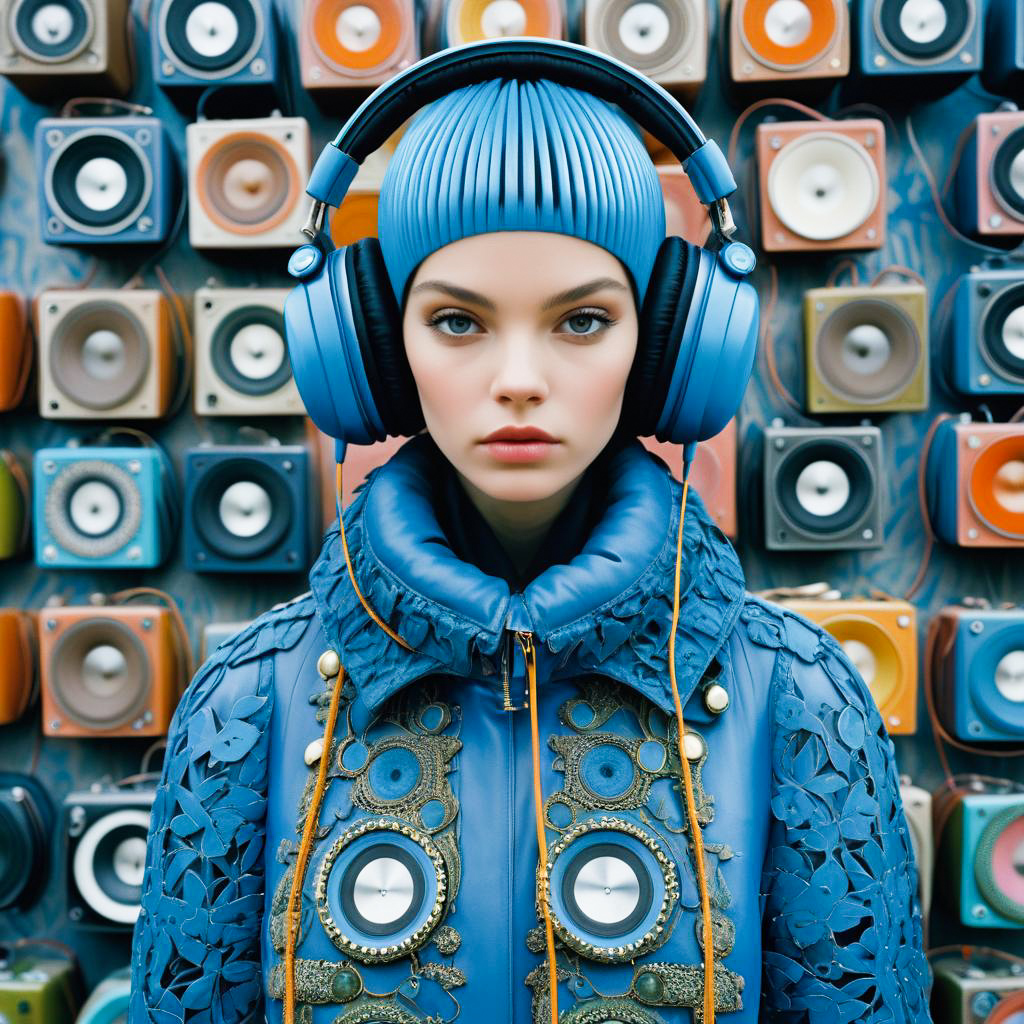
108, 671
15, 350
822, 185
880, 638
990, 484
17, 666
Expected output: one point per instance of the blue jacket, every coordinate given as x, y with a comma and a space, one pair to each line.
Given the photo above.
419, 898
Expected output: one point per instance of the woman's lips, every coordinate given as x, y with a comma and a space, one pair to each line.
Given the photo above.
519, 451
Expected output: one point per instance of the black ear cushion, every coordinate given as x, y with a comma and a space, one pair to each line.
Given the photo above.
666, 306
378, 324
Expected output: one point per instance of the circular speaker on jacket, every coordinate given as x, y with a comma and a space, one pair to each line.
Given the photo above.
242, 507
868, 351
99, 674
380, 890
788, 34
93, 508
996, 486
824, 486
823, 186
607, 771
50, 31
26, 821
612, 889
109, 864
612, 1011
99, 179
647, 36
999, 863
99, 355
872, 652
1007, 174
248, 351
211, 38
1002, 332
248, 183
923, 31
358, 39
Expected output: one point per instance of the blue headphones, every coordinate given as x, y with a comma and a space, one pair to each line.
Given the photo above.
699, 321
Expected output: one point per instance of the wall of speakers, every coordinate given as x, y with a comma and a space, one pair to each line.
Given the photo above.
975, 482
103, 508
26, 826
108, 672
18, 665
108, 1002
989, 187
985, 342
866, 348
38, 989
105, 354
978, 673
775, 42
981, 990
1003, 69
248, 508
104, 180
246, 182
105, 856
917, 804
241, 359
343, 44
199, 43
667, 39
14, 502
54, 48
880, 638
822, 488
822, 185
15, 350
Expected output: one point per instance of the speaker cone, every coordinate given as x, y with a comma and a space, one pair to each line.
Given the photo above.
247, 183
50, 31
24, 842
248, 351
99, 673
211, 38
358, 39
996, 487
109, 864
788, 34
867, 351
1008, 174
922, 31
1002, 332
93, 508
99, 179
872, 652
1009, 676
1009, 1010
648, 36
999, 863
824, 487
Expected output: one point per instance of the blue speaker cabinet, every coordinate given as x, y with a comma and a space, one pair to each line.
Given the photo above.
1003, 70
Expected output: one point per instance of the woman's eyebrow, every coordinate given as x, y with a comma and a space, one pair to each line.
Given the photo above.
570, 295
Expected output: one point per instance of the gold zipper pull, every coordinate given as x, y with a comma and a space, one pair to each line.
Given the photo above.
528, 654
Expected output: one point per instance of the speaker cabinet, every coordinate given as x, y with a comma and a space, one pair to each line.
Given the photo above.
105, 833
975, 483
917, 806
666, 39
27, 821
989, 187
56, 48
979, 860
247, 508
471, 21
14, 501
242, 366
103, 508
981, 990
108, 1001
199, 43
109, 671
978, 673
684, 215
15, 350
18, 665
356, 218
713, 475
37, 989
880, 638
866, 349
104, 180
777, 42
822, 185
105, 354
986, 335
822, 488
1003, 69
246, 182
343, 44
215, 633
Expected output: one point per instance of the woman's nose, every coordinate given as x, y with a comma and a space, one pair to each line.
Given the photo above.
520, 374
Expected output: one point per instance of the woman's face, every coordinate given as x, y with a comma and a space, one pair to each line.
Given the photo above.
522, 329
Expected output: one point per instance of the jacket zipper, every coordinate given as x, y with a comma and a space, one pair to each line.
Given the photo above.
525, 641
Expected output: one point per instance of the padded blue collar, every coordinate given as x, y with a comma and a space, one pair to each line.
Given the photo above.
609, 610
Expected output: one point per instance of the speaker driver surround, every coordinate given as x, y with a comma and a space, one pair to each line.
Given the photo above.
824, 487
80, 508
787, 35
109, 864
647, 36
923, 31
50, 31
26, 824
358, 39
211, 39
248, 351
996, 486
1002, 332
999, 864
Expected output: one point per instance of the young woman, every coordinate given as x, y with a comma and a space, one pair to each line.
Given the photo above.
527, 751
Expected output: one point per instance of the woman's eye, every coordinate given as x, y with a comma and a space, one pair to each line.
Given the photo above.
460, 323
595, 320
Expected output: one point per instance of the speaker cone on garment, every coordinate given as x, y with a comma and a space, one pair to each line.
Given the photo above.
50, 31
1007, 174
211, 38
923, 31
26, 823
786, 35
996, 486
1001, 333
248, 351
999, 864
109, 862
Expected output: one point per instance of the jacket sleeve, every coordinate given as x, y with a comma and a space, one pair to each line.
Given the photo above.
841, 919
196, 946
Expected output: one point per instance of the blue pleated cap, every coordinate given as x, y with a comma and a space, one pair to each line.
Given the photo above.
509, 155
